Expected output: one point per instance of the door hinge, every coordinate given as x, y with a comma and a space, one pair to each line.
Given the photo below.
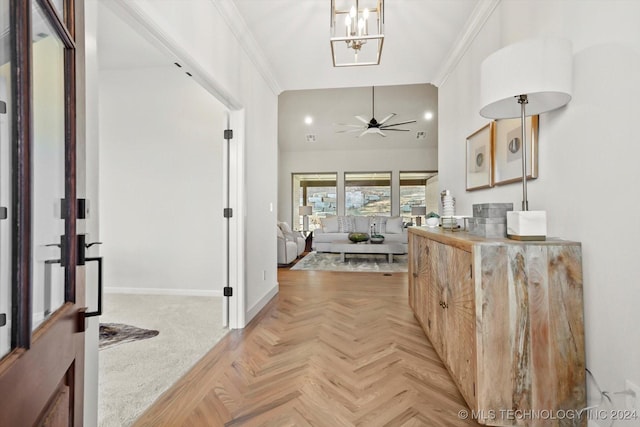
3, 319
3, 212
227, 213
228, 134
3, 107
227, 291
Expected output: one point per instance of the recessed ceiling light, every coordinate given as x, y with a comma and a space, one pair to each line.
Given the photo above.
308, 120
428, 115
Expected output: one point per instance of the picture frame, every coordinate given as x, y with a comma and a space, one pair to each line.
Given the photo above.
479, 165
507, 154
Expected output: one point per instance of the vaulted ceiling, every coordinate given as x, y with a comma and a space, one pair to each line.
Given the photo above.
290, 41
294, 36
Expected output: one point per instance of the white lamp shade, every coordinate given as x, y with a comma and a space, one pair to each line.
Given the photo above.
418, 210
305, 210
539, 68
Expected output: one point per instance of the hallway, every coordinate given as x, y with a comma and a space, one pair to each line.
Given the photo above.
332, 349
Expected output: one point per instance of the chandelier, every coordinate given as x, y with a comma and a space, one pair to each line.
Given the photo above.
356, 32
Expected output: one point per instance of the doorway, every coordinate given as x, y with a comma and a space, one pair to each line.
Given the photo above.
161, 195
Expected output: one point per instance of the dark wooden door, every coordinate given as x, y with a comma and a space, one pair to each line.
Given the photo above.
42, 370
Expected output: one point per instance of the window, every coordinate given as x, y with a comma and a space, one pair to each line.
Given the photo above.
317, 190
418, 189
367, 193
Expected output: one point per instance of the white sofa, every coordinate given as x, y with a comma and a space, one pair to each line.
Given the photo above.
291, 244
336, 228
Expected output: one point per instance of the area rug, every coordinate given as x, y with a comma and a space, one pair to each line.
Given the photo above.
323, 261
112, 334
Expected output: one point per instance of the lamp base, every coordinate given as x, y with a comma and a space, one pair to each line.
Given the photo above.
527, 225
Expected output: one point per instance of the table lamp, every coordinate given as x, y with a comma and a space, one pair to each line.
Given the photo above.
418, 212
305, 211
520, 80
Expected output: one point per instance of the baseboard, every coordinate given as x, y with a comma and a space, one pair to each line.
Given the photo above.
253, 311
161, 291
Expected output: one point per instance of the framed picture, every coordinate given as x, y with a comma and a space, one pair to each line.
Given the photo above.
507, 154
480, 158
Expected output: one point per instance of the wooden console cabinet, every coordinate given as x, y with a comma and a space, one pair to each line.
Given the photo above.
506, 318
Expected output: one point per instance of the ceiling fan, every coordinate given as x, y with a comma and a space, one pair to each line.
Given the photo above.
373, 126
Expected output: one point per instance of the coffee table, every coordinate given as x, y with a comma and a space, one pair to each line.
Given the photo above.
348, 247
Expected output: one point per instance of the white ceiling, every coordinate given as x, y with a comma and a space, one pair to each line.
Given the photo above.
330, 107
294, 37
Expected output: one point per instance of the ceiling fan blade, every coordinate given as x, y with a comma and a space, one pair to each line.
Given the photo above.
348, 125
364, 133
362, 119
350, 130
397, 124
387, 118
379, 132
399, 130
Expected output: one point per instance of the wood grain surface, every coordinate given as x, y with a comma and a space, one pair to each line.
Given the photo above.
331, 349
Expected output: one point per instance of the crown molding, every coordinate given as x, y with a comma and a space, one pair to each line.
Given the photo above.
472, 27
244, 36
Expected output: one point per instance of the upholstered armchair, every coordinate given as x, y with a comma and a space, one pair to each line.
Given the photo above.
293, 236
287, 249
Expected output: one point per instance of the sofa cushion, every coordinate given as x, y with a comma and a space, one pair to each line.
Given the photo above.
394, 225
346, 224
329, 224
362, 224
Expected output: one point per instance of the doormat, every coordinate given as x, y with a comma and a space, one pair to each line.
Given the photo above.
370, 263
112, 334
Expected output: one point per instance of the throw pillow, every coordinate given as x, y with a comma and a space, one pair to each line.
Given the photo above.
362, 224
379, 224
394, 225
346, 224
285, 227
330, 224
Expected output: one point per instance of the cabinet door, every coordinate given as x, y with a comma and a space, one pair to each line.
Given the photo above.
438, 265
413, 269
460, 323
419, 277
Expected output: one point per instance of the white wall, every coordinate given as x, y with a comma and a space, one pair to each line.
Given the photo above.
349, 161
88, 187
588, 159
202, 32
160, 183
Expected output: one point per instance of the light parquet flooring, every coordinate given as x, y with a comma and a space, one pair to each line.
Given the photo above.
331, 349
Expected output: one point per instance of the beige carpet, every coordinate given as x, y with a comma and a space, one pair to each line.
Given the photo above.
324, 261
133, 374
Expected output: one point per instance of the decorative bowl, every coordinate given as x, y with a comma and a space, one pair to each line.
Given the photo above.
376, 238
433, 221
358, 237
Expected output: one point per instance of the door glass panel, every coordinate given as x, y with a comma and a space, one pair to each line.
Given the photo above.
48, 168
5, 181
59, 5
